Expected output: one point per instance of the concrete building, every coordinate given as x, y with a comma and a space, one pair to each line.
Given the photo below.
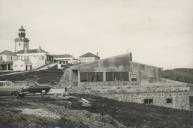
6, 60
64, 60
88, 57
122, 79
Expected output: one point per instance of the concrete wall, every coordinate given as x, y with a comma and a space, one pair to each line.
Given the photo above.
128, 91
37, 59
19, 65
145, 73
121, 63
137, 94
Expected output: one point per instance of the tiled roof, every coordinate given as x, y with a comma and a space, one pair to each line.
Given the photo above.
63, 56
32, 51
6, 52
89, 54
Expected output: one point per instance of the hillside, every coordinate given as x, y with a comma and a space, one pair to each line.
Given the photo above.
179, 74
35, 112
51, 75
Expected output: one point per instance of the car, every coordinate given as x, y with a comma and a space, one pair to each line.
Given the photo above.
8, 88
36, 88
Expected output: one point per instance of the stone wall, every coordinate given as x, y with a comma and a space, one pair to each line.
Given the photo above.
159, 94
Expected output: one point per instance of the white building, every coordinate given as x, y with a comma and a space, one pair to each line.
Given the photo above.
64, 60
20, 65
28, 59
88, 57
6, 60
32, 59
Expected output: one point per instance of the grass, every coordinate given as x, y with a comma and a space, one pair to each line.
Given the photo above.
52, 75
179, 74
139, 115
132, 115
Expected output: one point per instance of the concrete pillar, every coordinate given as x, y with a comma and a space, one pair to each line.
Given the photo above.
78, 76
129, 75
104, 76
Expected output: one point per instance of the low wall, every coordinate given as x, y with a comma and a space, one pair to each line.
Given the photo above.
159, 94
180, 100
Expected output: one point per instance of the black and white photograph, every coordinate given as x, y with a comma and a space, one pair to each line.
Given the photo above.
96, 63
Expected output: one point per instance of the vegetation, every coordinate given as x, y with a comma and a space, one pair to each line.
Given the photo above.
102, 112
138, 115
52, 75
179, 74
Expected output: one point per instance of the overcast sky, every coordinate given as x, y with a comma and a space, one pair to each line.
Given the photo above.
157, 32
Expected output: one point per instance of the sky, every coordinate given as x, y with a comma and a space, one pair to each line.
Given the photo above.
157, 32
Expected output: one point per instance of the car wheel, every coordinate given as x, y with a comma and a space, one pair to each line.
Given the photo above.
15, 94
21, 95
43, 92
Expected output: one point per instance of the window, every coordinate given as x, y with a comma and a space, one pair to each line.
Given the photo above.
133, 77
1, 84
109, 76
117, 76
91, 76
148, 101
83, 76
169, 100
99, 76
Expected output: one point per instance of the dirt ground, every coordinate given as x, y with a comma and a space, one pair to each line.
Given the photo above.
37, 112
51, 112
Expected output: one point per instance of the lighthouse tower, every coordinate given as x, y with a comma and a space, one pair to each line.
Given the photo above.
21, 42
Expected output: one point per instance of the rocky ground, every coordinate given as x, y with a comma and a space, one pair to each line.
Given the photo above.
72, 112
35, 112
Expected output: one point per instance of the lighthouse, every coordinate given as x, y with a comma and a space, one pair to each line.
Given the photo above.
21, 42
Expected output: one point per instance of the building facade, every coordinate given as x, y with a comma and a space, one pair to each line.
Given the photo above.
88, 57
32, 59
122, 79
6, 60
64, 60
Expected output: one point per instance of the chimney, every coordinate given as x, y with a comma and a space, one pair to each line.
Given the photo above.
39, 49
131, 58
97, 54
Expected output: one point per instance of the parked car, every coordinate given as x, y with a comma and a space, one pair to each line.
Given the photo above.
8, 88
36, 88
